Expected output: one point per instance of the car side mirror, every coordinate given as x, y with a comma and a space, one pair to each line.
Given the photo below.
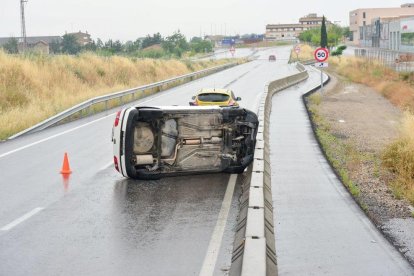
193, 97
238, 99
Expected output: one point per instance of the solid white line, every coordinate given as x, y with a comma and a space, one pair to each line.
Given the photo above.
106, 166
215, 242
53, 136
21, 219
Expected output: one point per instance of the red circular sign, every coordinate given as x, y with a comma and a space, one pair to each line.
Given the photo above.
321, 54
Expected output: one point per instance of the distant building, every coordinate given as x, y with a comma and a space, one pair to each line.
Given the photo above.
401, 34
389, 33
216, 39
292, 31
363, 17
40, 46
311, 19
34, 43
42, 43
253, 38
82, 38
32, 39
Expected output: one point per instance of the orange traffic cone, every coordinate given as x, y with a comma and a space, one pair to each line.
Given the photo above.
65, 167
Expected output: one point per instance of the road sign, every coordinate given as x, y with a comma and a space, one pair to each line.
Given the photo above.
321, 64
297, 49
321, 54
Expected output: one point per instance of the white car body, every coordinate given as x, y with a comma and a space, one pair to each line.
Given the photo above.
157, 141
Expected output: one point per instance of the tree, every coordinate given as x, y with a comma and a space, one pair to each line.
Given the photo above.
55, 47
90, 46
175, 44
70, 45
11, 46
201, 46
324, 34
151, 40
335, 34
306, 36
346, 32
132, 46
99, 44
117, 46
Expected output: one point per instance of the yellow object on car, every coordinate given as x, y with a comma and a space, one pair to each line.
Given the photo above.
213, 96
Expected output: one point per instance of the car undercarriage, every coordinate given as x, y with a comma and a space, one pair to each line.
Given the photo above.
162, 142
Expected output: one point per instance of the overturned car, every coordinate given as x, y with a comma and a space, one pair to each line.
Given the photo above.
153, 142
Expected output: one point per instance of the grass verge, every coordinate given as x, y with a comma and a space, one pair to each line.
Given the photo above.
339, 154
398, 88
398, 157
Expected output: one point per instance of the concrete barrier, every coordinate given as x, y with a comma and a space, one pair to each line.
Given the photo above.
254, 251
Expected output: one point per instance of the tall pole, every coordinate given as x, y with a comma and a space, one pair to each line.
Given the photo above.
23, 24
321, 80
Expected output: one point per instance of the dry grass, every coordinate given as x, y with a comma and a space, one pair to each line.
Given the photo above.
35, 87
341, 155
396, 87
398, 157
306, 53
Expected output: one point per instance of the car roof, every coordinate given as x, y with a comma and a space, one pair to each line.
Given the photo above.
215, 90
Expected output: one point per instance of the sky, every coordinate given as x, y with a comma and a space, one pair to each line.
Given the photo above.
129, 19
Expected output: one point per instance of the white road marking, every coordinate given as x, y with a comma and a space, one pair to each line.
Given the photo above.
106, 166
21, 219
53, 136
215, 242
69, 130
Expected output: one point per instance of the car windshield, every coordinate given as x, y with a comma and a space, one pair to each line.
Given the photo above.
213, 97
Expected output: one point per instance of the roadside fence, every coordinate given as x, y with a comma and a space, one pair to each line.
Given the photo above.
399, 61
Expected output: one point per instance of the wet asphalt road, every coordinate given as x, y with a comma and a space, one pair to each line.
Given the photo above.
319, 229
98, 223
238, 53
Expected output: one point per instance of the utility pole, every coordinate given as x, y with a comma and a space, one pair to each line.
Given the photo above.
23, 23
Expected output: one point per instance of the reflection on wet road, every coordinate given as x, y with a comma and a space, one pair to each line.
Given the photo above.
154, 227
98, 223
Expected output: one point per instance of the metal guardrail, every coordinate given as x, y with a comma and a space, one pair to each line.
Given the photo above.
308, 62
118, 95
254, 247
